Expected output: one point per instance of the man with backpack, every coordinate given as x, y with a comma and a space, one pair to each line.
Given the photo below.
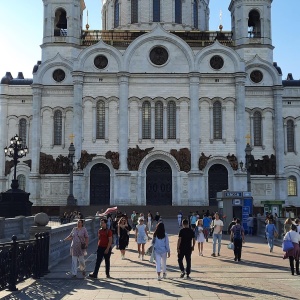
238, 238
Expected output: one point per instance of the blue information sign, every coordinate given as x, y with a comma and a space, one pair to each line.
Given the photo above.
247, 209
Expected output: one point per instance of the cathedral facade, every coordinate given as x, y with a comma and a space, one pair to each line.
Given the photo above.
159, 108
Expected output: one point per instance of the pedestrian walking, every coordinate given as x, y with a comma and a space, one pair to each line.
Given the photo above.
237, 236
157, 217
103, 250
287, 225
149, 221
232, 223
161, 249
141, 237
217, 234
293, 254
123, 235
185, 246
199, 235
271, 233
78, 249
193, 220
134, 219
250, 224
179, 218
206, 226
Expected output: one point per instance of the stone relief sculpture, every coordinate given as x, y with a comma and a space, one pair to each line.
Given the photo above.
8, 165
264, 166
49, 165
85, 159
135, 156
233, 161
114, 157
203, 161
183, 157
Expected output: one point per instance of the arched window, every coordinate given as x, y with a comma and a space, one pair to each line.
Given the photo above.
159, 120
117, 14
217, 120
61, 23
254, 28
23, 130
156, 10
146, 120
178, 11
57, 127
292, 186
100, 132
134, 11
171, 120
290, 134
22, 182
195, 10
257, 129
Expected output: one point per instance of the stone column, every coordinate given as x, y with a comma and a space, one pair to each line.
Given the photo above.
123, 119
281, 187
3, 136
35, 186
194, 120
240, 116
94, 122
77, 113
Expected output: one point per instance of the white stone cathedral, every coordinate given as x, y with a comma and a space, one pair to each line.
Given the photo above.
159, 108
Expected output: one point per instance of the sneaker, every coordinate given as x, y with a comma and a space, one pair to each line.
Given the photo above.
201, 254
158, 278
108, 276
182, 274
74, 276
235, 259
214, 255
142, 257
92, 275
164, 275
188, 277
218, 254
139, 256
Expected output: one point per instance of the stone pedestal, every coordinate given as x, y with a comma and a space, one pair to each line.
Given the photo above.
15, 202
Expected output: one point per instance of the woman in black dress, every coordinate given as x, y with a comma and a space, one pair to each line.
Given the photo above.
123, 233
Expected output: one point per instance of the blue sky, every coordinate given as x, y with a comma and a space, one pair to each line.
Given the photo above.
21, 32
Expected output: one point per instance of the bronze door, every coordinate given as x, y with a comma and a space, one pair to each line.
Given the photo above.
217, 181
100, 185
159, 183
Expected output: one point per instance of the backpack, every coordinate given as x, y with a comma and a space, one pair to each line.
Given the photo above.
237, 232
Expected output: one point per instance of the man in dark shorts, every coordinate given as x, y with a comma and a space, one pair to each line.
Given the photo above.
104, 249
185, 246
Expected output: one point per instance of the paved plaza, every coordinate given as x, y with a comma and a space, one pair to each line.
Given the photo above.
260, 275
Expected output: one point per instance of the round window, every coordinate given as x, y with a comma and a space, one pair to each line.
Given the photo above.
256, 76
59, 75
101, 61
217, 62
159, 56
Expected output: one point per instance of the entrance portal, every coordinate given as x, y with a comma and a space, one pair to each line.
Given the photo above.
100, 185
217, 182
159, 183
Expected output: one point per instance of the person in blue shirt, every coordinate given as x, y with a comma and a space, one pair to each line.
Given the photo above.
271, 232
206, 226
161, 249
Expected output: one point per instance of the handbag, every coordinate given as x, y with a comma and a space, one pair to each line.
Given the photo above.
152, 258
287, 245
230, 246
83, 246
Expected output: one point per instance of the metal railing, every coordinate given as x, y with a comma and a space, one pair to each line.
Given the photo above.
123, 38
20, 260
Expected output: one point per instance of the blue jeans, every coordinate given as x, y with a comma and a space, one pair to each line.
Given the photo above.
217, 237
250, 230
271, 242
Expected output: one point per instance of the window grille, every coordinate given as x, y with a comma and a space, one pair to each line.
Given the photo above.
217, 120
117, 14
156, 10
22, 130
57, 127
178, 11
292, 186
257, 128
134, 11
195, 9
100, 120
171, 120
290, 136
159, 120
146, 120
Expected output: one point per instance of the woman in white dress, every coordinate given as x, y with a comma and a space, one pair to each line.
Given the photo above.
141, 236
199, 235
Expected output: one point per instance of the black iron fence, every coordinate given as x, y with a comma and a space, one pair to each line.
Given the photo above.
20, 260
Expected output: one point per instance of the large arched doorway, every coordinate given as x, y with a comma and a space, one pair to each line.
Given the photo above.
159, 183
217, 182
100, 185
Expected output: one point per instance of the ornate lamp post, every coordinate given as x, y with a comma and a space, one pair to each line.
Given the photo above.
15, 202
71, 200
248, 150
16, 150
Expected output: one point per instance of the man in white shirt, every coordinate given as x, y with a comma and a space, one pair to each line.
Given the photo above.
217, 235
